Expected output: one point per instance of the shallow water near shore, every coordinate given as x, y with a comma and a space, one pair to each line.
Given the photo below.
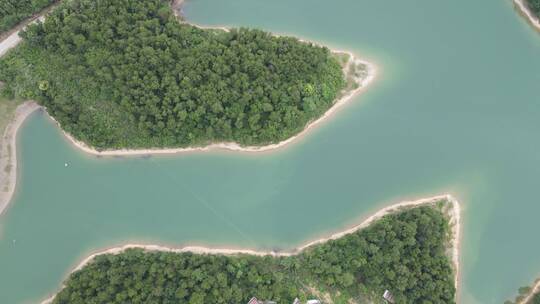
455, 110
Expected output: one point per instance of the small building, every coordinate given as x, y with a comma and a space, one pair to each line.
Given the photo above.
388, 296
254, 300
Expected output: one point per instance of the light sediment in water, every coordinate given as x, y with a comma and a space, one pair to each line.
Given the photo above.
25, 109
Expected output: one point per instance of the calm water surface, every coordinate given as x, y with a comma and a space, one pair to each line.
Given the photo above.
456, 109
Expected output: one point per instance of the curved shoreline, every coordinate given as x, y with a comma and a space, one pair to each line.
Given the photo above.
453, 213
371, 72
9, 178
526, 12
233, 146
8, 153
534, 290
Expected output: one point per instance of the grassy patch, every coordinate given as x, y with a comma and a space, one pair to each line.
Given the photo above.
7, 111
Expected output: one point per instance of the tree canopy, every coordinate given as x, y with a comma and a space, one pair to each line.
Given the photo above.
128, 74
403, 252
535, 299
14, 11
523, 292
534, 6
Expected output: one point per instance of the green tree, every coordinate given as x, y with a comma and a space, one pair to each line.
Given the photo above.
127, 74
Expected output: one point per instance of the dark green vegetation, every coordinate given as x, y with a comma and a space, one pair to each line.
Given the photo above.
523, 292
14, 11
534, 6
403, 252
128, 74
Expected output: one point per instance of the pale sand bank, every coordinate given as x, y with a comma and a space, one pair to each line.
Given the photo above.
526, 12
362, 82
453, 211
8, 153
534, 290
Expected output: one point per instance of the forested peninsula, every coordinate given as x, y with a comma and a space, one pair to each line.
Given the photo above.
12, 12
405, 252
129, 75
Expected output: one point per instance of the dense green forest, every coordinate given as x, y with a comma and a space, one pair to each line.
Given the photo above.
128, 74
14, 11
534, 6
404, 252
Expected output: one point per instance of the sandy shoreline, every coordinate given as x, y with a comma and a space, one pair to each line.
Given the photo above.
232, 146
453, 212
362, 83
27, 108
534, 290
524, 10
8, 153
14, 39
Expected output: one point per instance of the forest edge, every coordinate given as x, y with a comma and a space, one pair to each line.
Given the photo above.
452, 210
521, 6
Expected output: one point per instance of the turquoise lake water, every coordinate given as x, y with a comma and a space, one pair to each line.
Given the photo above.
456, 109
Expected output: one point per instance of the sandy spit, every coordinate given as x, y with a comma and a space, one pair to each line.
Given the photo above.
8, 153
526, 12
453, 212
